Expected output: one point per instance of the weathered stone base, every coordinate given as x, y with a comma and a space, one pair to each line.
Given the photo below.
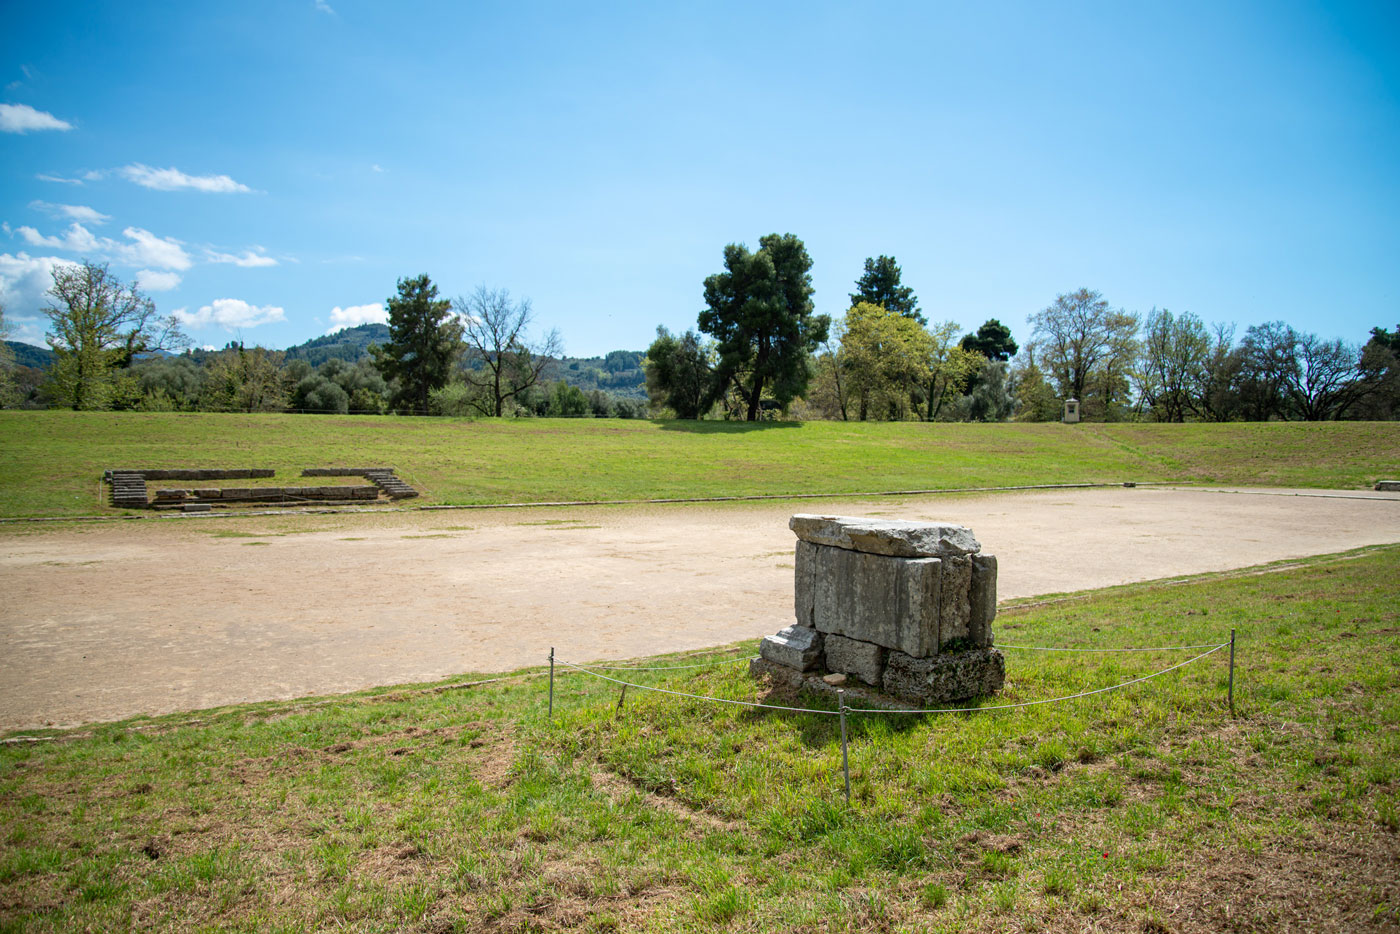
857, 695
795, 647
947, 678
1388, 486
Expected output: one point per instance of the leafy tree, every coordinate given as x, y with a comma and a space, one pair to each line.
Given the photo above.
989, 398
1380, 372
9, 385
884, 356
567, 401
760, 314
1036, 400
948, 369
1267, 364
992, 340
1086, 346
678, 371
240, 379
424, 341
880, 285
1174, 354
99, 325
1327, 380
507, 361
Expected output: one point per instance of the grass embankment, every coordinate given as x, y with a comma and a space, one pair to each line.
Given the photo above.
53, 460
1147, 809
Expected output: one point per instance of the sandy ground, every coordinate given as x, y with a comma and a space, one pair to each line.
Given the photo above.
107, 621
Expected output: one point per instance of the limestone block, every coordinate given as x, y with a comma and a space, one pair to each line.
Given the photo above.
863, 660
1388, 486
891, 602
983, 596
797, 647
955, 612
946, 678
805, 581
894, 537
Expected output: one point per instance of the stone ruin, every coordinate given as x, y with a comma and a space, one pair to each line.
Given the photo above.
905, 608
129, 490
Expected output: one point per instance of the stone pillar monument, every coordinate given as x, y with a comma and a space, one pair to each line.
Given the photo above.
1071, 412
904, 607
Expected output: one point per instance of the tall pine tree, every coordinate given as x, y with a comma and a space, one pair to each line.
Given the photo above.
879, 285
425, 339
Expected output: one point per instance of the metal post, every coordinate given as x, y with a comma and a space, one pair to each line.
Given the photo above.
845, 760
551, 681
1232, 674
622, 697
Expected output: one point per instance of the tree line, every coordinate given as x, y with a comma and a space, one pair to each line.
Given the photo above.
761, 352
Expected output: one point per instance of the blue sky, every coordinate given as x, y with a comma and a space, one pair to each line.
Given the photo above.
270, 169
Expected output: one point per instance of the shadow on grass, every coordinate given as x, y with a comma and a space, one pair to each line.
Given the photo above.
692, 427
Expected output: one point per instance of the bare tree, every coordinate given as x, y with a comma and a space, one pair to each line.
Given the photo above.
494, 328
1174, 350
1327, 380
1085, 343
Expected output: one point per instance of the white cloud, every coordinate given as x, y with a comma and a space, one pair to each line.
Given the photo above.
231, 314
323, 7
377, 167
248, 259
23, 281
43, 177
153, 281
77, 212
145, 248
173, 179
356, 315
21, 118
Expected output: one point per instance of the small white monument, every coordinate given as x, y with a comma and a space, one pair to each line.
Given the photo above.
1071, 412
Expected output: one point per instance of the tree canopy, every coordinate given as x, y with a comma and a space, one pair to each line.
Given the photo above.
880, 285
424, 341
761, 315
679, 376
505, 361
992, 340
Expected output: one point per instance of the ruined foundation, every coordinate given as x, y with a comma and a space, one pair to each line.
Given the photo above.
889, 607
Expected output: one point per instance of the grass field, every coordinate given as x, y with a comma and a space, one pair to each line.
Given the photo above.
1146, 810
53, 460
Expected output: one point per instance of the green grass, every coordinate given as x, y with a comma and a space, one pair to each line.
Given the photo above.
54, 459
1148, 809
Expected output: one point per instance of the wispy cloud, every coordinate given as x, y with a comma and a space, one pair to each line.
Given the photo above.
173, 179
323, 7
231, 314
377, 167
23, 281
144, 248
77, 212
153, 281
357, 315
248, 259
21, 118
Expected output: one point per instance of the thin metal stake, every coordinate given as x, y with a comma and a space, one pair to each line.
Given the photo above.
622, 697
551, 681
845, 760
1232, 674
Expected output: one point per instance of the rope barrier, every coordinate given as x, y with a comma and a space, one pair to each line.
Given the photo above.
834, 713
746, 658
1158, 648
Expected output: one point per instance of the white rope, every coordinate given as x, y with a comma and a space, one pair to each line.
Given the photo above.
746, 658
1051, 700
1158, 648
836, 713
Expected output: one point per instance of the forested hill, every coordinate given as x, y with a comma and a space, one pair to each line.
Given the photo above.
29, 355
620, 372
348, 344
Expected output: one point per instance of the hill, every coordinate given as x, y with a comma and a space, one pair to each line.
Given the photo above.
29, 355
348, 344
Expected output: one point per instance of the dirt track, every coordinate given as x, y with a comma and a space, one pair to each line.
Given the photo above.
112, 620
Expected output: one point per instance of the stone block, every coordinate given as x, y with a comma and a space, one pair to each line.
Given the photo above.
796, 647
1388, 486
805, 581
863, 660
955, 611
874, 598
946, 678
983, 597
895, 537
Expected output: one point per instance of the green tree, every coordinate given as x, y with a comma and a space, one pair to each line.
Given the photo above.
1175, 350
678, 371
424, 341
99, 325
883, 358
240, 379
880, 285
948, 369
1087, 346
9, 386
992, 340
506, 362
761, 316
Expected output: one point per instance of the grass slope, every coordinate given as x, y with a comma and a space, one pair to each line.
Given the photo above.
53, 459
1145, 810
